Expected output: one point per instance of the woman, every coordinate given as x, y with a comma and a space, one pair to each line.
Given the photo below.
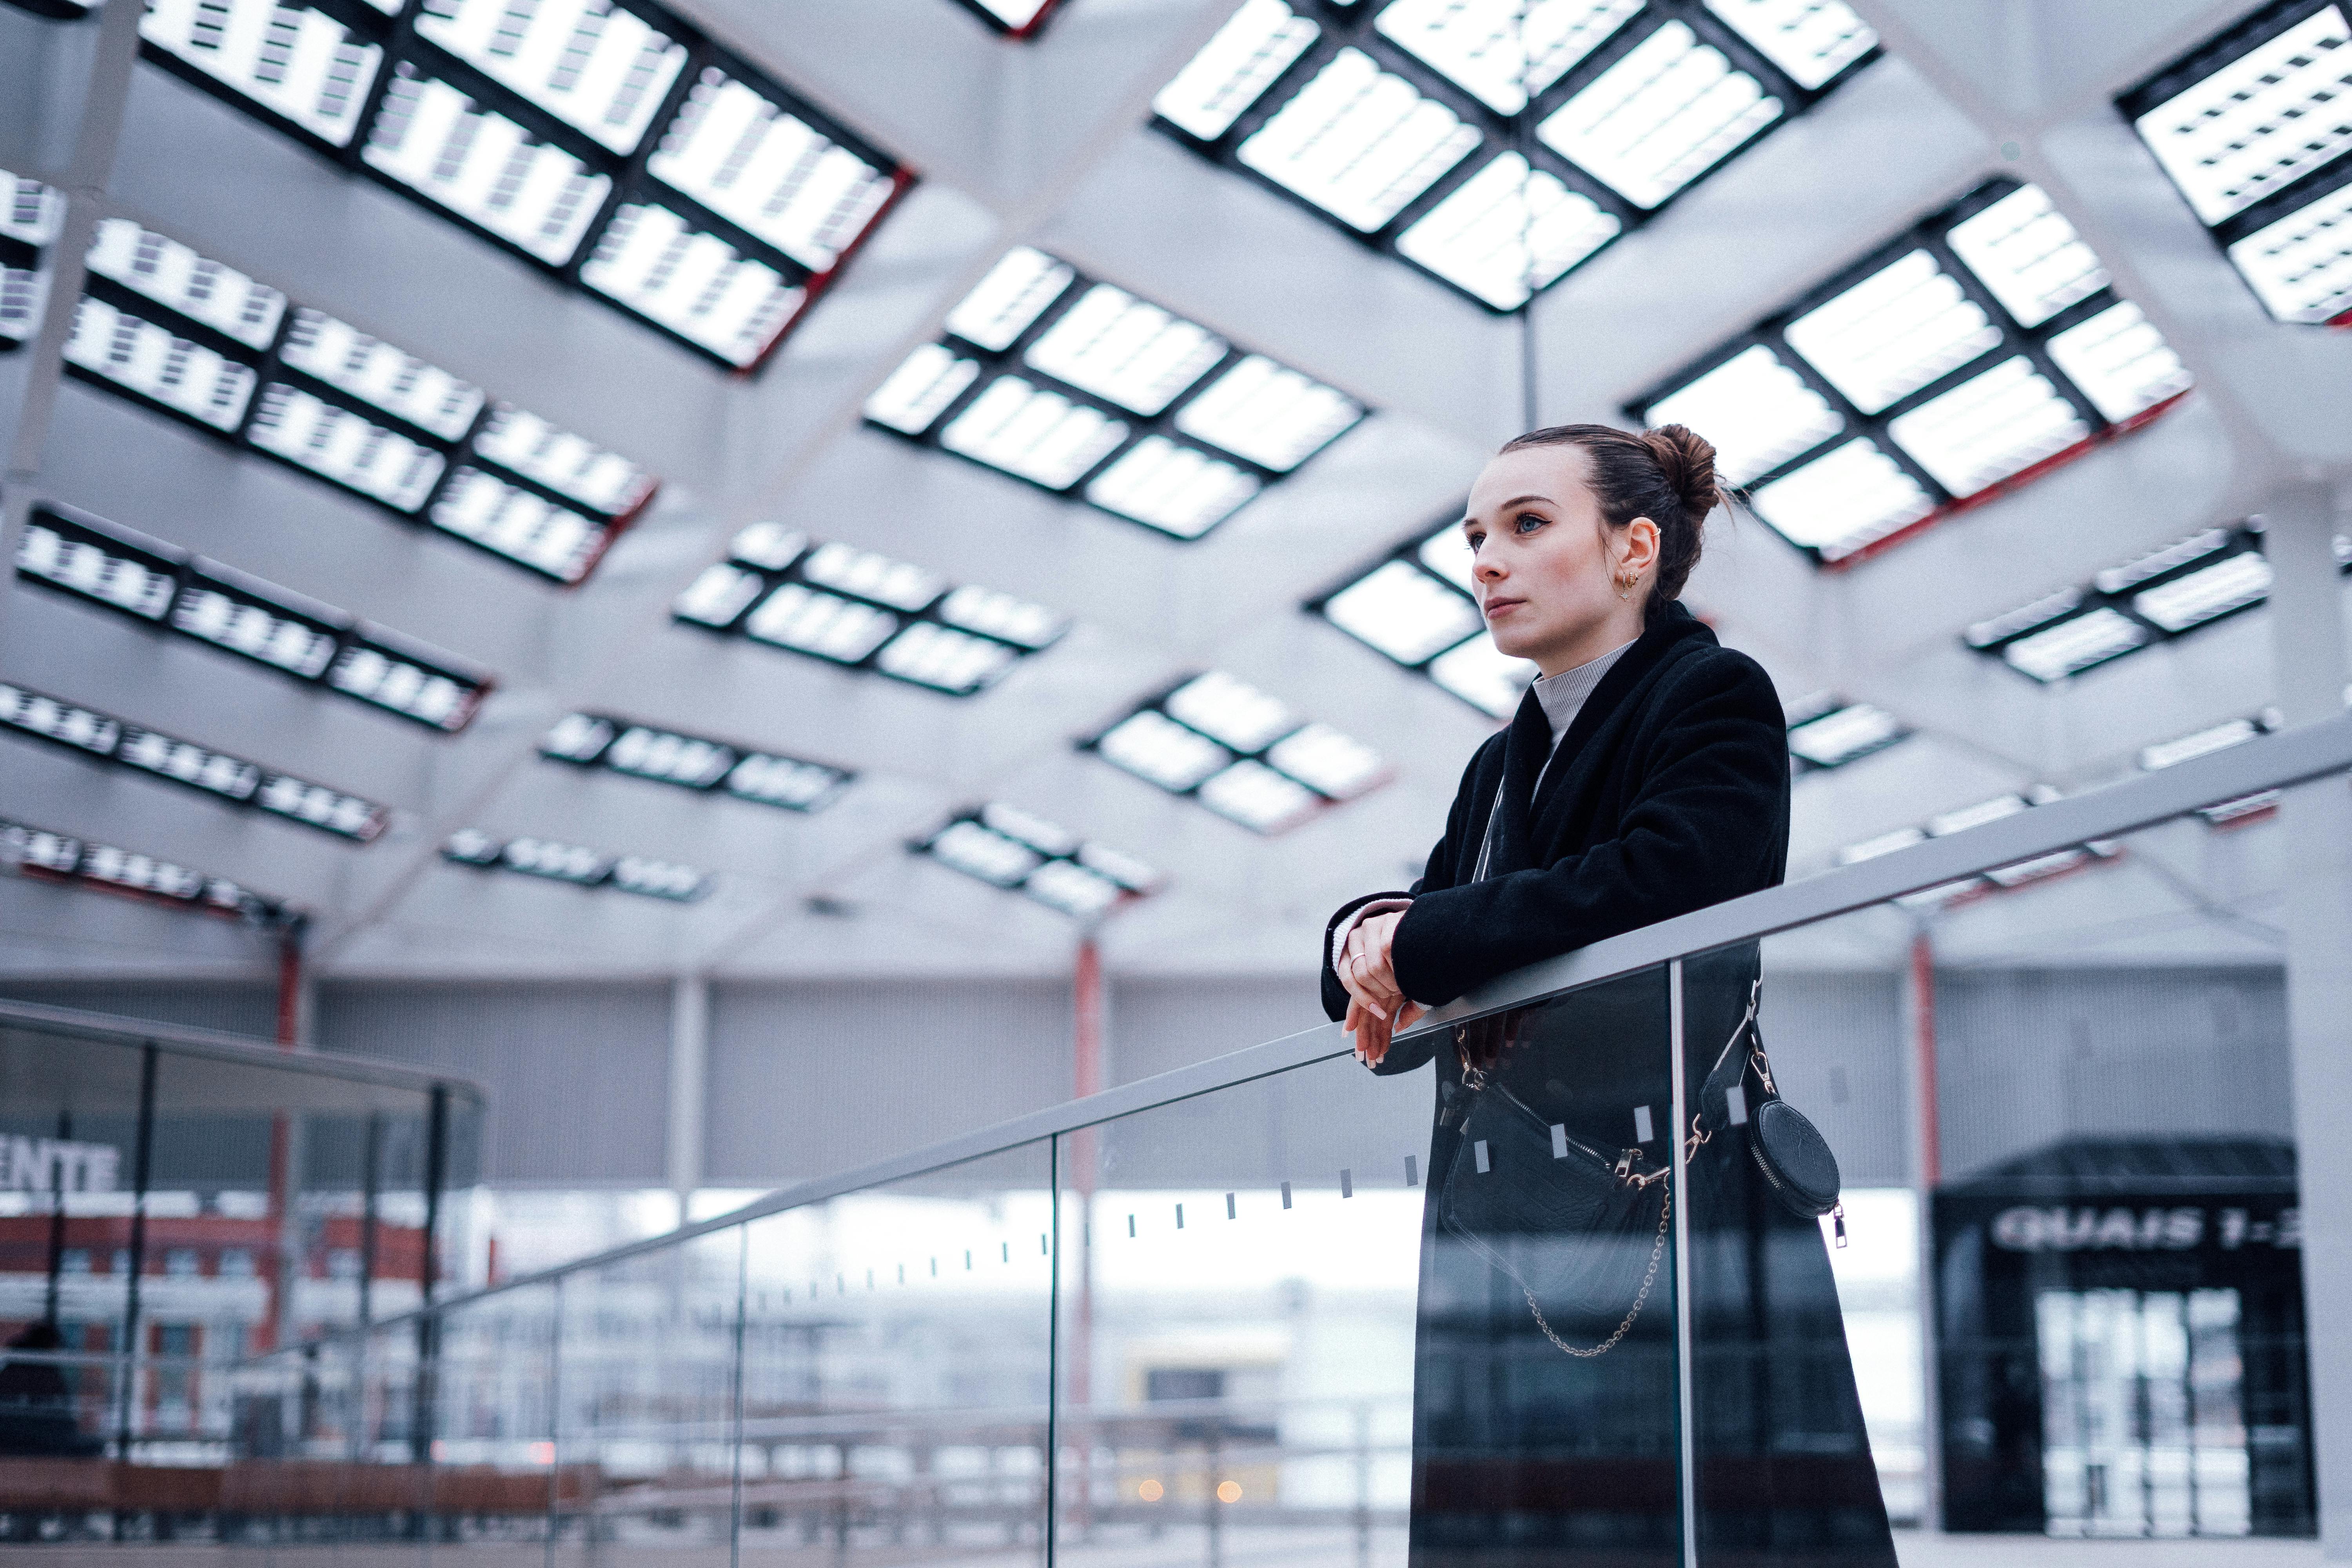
1645, 774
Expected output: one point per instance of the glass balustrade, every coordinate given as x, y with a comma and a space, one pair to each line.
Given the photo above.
1270, 1309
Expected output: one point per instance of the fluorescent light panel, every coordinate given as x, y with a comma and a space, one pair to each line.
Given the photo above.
1396, 120
2252, 129
91, 733
2211, 574
554, 861
542, 498
693, 762
1012, 849
1240, 753
522, 120
857, 607
60, 856
107, 565
1953, 360
1825, 732
1417, 609
1077, 380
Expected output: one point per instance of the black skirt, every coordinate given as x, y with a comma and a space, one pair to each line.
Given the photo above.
1528, 1456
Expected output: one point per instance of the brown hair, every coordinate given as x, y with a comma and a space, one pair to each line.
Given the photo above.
1666, 475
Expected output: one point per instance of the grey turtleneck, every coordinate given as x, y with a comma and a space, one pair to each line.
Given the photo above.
1563, 696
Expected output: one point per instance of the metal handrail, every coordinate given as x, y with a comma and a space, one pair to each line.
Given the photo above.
211, 1044
2270, 761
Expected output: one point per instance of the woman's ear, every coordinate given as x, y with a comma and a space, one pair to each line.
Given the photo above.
1641, 545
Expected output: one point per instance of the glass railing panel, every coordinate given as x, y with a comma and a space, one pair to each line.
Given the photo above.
488, 1398
644, 1458
1298, 1325
2061, 1095
897, 1368
66, 1123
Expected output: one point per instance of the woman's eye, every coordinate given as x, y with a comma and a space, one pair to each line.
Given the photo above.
1528, 522
1475, 539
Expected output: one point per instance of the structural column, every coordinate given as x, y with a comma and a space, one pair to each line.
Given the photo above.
2308, 643
689, 1069
1924, 1135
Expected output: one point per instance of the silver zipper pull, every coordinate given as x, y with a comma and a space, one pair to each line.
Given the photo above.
1837, 1217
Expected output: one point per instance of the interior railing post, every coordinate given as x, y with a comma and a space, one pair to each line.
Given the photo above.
141, 1167
1685, 1463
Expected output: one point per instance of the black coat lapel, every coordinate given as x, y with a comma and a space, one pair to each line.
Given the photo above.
1673, 626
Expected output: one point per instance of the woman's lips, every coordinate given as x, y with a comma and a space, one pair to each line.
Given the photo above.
1497, 608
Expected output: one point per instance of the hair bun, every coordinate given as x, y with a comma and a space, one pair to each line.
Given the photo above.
1687, 460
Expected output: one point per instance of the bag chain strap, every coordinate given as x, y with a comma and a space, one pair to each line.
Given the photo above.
1649, 1278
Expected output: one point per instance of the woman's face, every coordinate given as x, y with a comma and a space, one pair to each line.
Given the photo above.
1546, 566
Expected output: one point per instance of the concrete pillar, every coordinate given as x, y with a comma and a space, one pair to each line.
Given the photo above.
689, 1065
1922, 1139
2307, 644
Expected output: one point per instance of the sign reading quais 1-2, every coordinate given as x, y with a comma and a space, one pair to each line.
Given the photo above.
2029, 1227
53, 1164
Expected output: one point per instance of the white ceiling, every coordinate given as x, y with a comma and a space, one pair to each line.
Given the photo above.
1046, 142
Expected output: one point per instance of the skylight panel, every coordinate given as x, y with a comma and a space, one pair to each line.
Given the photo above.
2300, 266
1482, 675
2023, 249
196, 286
337, 444
692, 282
53, 718
768, 171
1142, 407
485, 168
1756, 411
297, 62
1480, 237
576, 864
1477, 44
1990, 428
31, 214
217, 773
2203, 744
383, 376
871, 576
1018, 17
1669, 110
599, 67
857, 607
1403, 613
1035, 434
1113, 345
1939, 395
720, 595
1151, 745
529, 446
1812, 41
798, 616
62, 858
110, 566
2165, 594
21, 296
941, 657
143, 358
242, 614
2207, 594
1016, 851
514, 523
1240, 753
2120, 362
2076, 644
1844, 733
692, 761
377, 670
911, 401
1893, 333
1256, 45
2258, 122
1359, 142
1171, 487
1851, 497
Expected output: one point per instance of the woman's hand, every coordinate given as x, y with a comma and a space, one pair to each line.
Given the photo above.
1377, 1006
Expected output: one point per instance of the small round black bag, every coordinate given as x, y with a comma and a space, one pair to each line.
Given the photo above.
1787, 1149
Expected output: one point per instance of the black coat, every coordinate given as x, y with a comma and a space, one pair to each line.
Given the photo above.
1670, 792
